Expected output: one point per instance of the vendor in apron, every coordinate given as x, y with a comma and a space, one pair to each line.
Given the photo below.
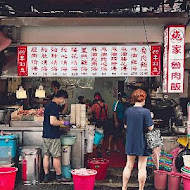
100, 114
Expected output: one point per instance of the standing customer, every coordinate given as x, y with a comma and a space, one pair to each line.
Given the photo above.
51, 135
116, 132
138, 121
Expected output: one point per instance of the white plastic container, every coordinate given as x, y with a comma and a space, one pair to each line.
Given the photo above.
66, 155
186, 160
90, 130
90, 142
100, 130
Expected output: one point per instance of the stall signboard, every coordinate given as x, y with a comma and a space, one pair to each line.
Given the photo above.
89, 60
22, 61
174, 59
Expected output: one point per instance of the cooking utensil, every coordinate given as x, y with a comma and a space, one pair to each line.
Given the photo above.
179, 160
180, 130
2, 114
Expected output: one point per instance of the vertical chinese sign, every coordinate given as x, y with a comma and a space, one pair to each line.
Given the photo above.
22, 66
174, 58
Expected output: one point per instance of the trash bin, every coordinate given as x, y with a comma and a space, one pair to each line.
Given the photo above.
174, 180
186, 182
160, 179
100, 165
84, 179
7, 178
31, 165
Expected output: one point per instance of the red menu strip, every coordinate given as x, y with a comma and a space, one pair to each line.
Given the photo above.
22, 65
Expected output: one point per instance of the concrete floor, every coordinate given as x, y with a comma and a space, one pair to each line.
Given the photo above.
112, 181
69, 187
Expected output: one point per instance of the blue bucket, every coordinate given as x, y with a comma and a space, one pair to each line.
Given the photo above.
66, 171
98, 137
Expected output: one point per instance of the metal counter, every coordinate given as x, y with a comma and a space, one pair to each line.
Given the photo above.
32, 136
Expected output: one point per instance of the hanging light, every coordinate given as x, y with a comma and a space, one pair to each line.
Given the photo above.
40, 92
21, 93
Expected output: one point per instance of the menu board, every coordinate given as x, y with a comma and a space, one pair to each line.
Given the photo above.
174, 59
90, 60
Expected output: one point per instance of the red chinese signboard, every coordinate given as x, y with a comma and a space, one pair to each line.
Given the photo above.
97, 60
174, 57
155, 60
22, 61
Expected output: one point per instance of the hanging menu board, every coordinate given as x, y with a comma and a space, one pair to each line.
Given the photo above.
86, 61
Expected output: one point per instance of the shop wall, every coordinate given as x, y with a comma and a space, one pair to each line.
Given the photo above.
91, 34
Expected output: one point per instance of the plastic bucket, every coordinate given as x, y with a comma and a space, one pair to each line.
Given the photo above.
160, 179
186, 182
84, 179
186, 160
90, 142
66, 171
174, 180
68, 140
98, 137
7, 178
65, 155
100, 165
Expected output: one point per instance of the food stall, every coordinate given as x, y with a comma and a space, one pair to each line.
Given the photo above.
85, 69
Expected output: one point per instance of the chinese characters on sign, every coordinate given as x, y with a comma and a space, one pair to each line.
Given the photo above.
22, 61
97, 60
174, 54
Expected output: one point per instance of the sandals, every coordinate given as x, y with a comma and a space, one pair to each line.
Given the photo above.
108, 152
117, 150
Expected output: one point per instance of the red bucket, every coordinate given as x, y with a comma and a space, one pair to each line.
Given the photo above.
84, 179
174, 180
186, 182
160, 179
100, 165
7, 178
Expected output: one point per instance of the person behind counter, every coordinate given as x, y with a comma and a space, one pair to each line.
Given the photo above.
81, 100
138, 120
99, 110
51, 135
55, 86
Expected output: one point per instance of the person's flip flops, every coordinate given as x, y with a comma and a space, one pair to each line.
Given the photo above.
108, 152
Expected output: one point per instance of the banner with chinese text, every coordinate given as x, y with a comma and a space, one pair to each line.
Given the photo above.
96, 61
174, 59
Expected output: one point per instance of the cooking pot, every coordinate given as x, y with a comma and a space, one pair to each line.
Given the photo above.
2, 115
180, 130
179, 159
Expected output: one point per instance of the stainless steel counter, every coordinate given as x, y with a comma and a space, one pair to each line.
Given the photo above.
30, 134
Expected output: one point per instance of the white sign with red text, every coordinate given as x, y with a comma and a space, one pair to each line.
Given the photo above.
176, 59
89, 60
